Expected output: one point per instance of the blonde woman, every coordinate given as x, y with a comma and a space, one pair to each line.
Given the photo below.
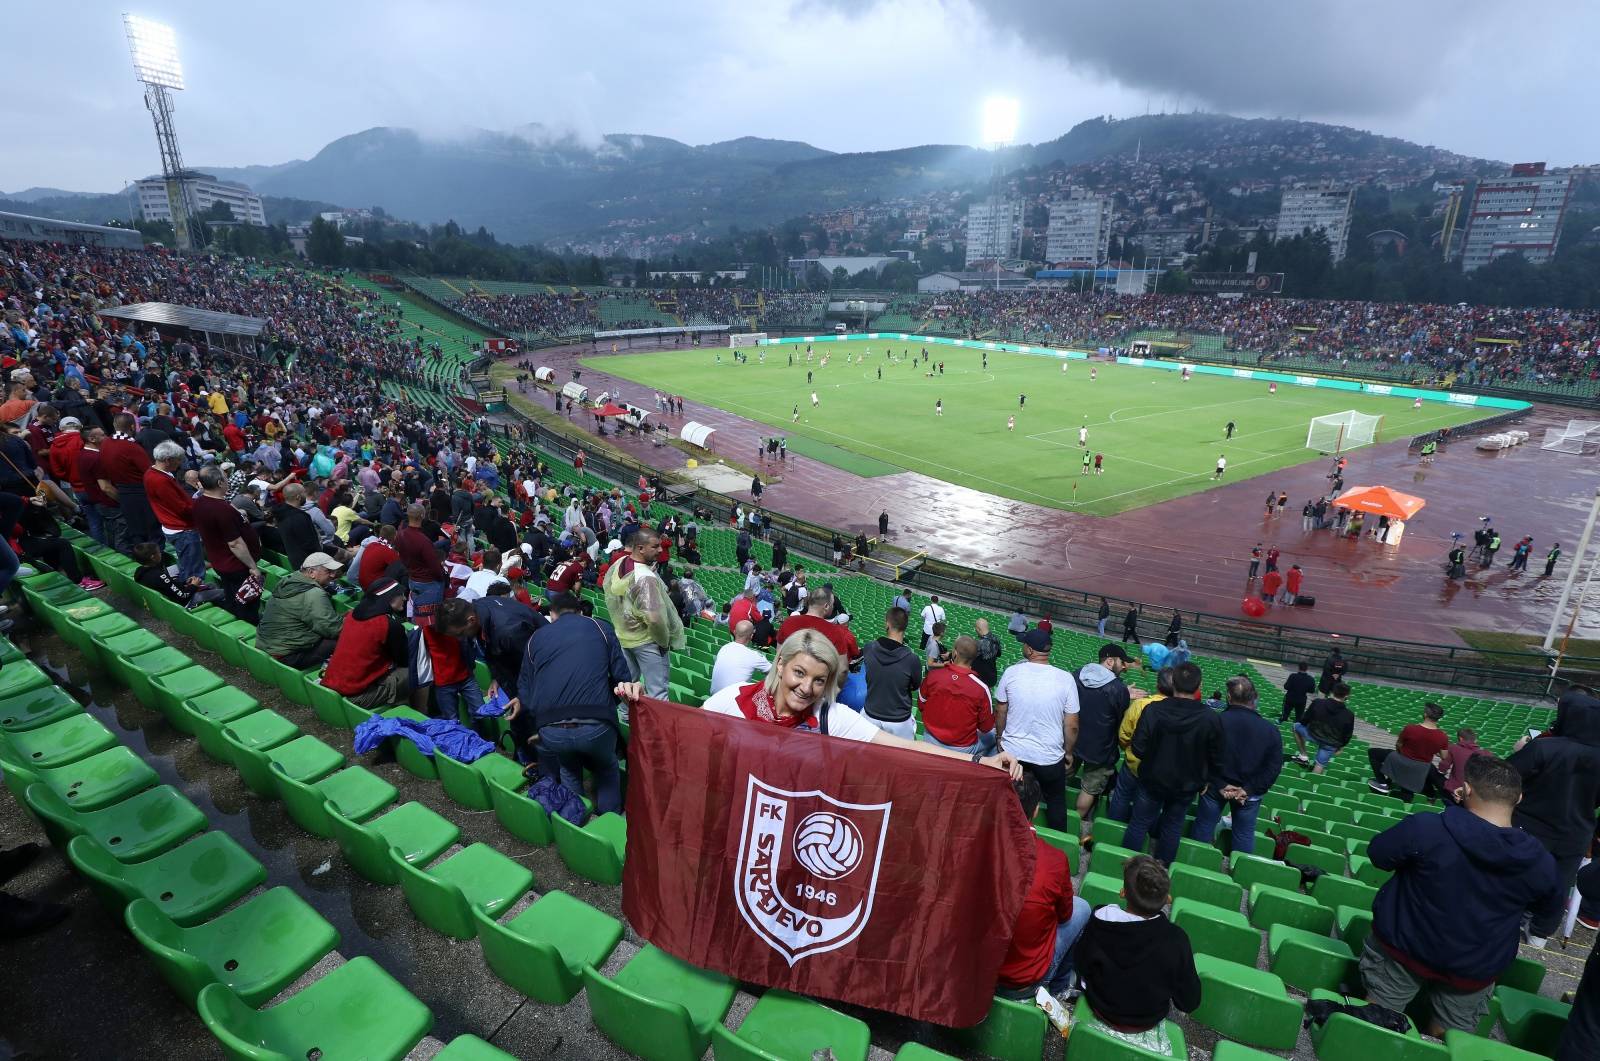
798, 693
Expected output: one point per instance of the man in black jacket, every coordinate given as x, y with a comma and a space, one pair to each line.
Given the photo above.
1560, 793
1329, 724
1296, 687
1252, 759
894, 674
504, 626
1102, 700
1179, 743
295, 529
1578, 715
1581, 1040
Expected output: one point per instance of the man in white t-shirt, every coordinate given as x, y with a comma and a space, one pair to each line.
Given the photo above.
1036, 719
737, 663
932, 613
478, 583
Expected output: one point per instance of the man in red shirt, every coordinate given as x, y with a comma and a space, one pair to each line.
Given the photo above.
1410, 764
1291, 584
742, 609
368, 665
1271, 582
564, 578
122, 463
819, 602
99, 495
957, 712
377, 553
173, 506
234, 438
1051, 920
424, 569
230, 542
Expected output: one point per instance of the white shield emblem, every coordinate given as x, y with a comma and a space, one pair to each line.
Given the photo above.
807, 868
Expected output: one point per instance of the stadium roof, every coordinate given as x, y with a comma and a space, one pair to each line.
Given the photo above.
200, 320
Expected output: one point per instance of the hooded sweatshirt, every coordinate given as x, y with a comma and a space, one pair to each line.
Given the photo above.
1179, 744
1135, 969
372, 642
894, 674
297, 616
1560, 791
1102, 700
1453, 910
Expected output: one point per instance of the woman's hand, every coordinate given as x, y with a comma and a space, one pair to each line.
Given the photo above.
629, 691
1004, 761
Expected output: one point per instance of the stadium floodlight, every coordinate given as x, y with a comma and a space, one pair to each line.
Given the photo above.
1000, 116
155, 52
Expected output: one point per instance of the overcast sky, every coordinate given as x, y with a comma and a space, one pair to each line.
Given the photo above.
273, 82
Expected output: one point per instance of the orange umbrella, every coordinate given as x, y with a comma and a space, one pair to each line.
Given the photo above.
1380, 501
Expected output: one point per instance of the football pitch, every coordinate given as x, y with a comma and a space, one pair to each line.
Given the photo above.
1159, 436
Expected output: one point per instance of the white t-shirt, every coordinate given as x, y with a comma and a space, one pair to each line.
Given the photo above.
842, 721
478, 583
931, 613
1038, 697
735, 665
1222, 462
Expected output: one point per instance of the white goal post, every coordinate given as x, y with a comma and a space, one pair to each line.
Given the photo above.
1337, 432
1579, 436
747, 339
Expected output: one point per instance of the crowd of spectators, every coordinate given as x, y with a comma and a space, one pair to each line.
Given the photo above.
552, 315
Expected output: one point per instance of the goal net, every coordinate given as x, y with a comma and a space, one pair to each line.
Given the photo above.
1337, 432
1579, 436
747, 339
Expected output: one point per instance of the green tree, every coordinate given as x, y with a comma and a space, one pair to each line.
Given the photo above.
325, 245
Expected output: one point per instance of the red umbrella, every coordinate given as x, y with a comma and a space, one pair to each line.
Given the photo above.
610, 409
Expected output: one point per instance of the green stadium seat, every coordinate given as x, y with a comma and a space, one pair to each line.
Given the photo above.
305, 758
1464, 1046
136, 673
786, 1027
467, 783
355, 792
1206, 886
140, 827
1347, 1038
1249, 870
471, 1048
1530, 1021
19, 678
173, 688
658, 1007
418, 833
542, 951
92, 782
1108, 859
406, 753
1227, 1051
1271, 906
1197, 854
59, 743
1330, 862
255, 949
1523, 974
1222, 933
111, 650
1362, 869
1243, 1003
356, 1011
518, 815
1013, 1031
327, 704
1066, 843
918, 1052
188, 883
444, 894
1101, 889
1333, 892
261, 730
32, 708
1354, 925
1089, 1043
1306, 960
596, 851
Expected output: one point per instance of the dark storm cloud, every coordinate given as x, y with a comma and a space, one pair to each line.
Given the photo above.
1349, 57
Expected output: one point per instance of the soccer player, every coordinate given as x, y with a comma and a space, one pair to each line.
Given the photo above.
938, 407
1098, 467
808, 376
1185, 374
1094, 374
814, 402
1083, 436
1222, 466
1011, 423
880, 371
1272, 388
1087, 460
1063, 368
1022, 400
1228, 430
1417, 404
795, 419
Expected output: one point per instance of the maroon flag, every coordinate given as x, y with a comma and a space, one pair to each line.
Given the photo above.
827, 867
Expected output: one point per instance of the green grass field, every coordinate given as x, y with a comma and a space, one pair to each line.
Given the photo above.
1160, 436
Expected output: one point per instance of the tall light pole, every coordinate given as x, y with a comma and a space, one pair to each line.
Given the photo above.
999, 129
155, 64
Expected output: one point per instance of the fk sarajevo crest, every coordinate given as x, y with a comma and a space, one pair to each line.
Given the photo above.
807, 868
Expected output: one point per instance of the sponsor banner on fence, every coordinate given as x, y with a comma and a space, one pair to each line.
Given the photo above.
880, 877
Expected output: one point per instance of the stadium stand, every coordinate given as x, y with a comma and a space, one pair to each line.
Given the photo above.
339, 360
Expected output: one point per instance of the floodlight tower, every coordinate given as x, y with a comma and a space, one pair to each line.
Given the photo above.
155, 64
999, 129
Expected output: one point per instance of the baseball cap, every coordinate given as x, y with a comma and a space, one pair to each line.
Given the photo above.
70, 422
513, 572
1112, 652
1037, 639
322, 560
385, 589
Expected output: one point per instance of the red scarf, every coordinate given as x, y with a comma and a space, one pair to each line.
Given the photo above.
755, 703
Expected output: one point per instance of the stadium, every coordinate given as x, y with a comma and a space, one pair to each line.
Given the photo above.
365, 664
